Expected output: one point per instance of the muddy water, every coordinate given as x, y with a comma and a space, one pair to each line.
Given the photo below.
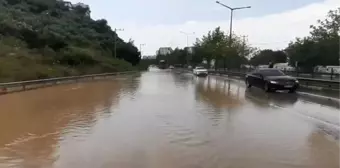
165, 119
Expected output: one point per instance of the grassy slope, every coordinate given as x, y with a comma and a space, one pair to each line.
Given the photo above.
19, 62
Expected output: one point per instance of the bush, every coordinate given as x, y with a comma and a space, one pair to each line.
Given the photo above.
49, 38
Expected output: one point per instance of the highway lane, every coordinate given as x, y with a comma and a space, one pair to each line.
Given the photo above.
167, 119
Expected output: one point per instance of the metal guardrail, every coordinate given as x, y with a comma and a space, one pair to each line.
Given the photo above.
307, 82
321, 83
10, 87
314, 75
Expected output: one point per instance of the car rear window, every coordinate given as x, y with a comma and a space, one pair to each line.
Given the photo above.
271, 72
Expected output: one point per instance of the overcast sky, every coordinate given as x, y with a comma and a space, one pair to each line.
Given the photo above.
157, 23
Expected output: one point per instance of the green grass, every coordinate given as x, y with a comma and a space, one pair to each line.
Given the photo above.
19, 63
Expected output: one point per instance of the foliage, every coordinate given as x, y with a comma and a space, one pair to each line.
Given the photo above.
217, 46
321, 47
213, 46
55, 33
145, 63
178, 56
264, 57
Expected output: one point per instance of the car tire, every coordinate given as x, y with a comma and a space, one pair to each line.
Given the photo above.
266, 87
248, 84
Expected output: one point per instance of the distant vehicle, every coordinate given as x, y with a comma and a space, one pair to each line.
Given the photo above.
327, 69
171, 67
284, 67
200, 71
271, 80
162, 64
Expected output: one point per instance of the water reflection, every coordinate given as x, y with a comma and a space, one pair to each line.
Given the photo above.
159, 119
319, 146
218, 94
33, 122
260, 98
181, 79
131, 84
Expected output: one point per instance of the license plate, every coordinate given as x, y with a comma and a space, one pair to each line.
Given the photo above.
288, 86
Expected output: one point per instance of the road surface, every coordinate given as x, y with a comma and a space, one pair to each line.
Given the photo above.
166, 119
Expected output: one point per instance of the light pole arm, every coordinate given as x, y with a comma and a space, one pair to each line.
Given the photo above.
245, 7
218, 2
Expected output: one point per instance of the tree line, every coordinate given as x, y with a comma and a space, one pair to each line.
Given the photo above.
49, 38
217, 50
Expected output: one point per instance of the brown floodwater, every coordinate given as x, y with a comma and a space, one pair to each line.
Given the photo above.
164, 119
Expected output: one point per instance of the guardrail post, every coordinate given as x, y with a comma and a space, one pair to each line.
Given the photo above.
4, 90
313, 74
332, 72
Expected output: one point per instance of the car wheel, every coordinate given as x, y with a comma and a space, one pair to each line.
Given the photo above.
266, 87
248, 84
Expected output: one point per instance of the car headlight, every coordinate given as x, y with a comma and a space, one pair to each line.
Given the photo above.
296, 81
274, 82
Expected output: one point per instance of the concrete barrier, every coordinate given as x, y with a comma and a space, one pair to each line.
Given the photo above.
11, 87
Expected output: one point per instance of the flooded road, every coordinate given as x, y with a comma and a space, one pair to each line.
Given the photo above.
164, 119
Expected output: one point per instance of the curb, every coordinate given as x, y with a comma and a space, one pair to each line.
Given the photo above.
20, 86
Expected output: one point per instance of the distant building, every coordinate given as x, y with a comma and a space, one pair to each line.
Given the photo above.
189, 49
164, 51
149, 57
284, 67
327, 69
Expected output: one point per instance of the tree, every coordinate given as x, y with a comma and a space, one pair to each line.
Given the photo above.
216, 46
212, 47
321, 47
77, 43
264, 57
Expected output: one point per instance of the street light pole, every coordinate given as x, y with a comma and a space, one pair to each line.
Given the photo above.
115, 41
231, 27
187, 34
231, 21
140, 49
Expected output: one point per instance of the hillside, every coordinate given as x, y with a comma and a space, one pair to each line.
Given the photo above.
51, 38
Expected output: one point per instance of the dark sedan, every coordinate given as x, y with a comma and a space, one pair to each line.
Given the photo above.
271, 79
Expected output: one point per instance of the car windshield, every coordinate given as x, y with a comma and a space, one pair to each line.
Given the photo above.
200, 68
271, 72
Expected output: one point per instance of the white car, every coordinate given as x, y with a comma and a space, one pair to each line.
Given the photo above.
200, 71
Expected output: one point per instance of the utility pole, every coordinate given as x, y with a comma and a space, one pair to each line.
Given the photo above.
244, 46
115, 41
140, 49
231, 21
187, 35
